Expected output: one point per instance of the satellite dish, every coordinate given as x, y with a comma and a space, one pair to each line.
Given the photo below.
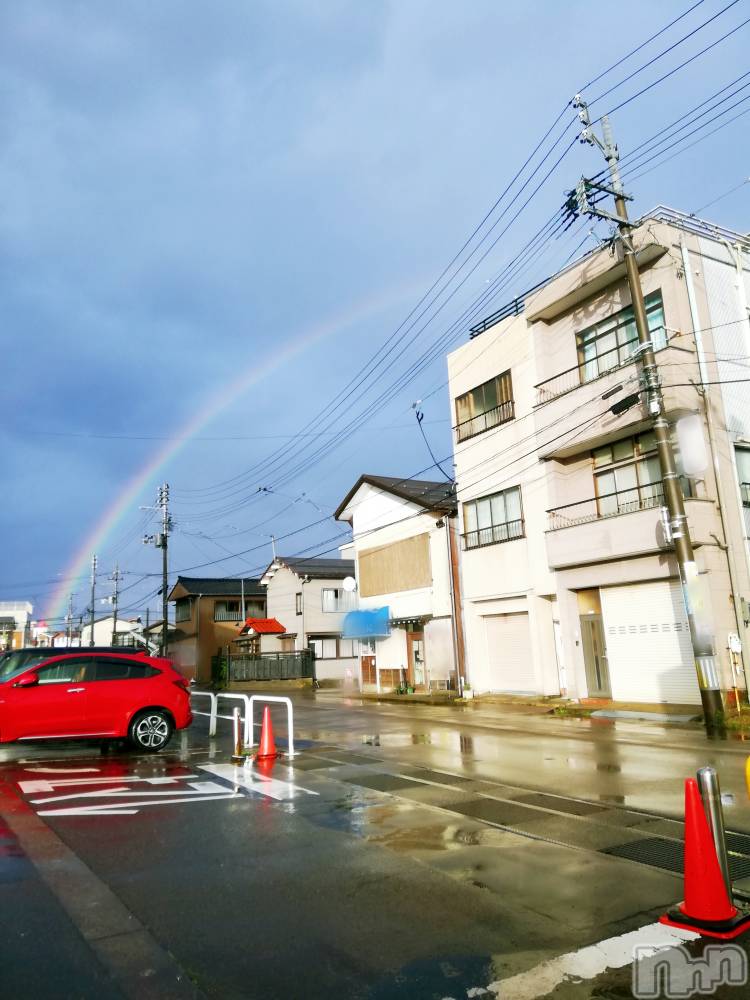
349, 584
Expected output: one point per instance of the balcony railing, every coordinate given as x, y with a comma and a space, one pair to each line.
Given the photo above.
589, 371
344, 602
486, 421
494, 535
223, 615
607, 505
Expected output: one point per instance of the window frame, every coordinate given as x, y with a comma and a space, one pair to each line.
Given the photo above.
495, 537
183, 602
298, 602
615, 324
322, 639
638, 458
467, 411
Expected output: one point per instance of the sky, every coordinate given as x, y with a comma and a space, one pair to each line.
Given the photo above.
213, 215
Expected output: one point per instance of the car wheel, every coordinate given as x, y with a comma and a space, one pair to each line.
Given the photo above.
150, 731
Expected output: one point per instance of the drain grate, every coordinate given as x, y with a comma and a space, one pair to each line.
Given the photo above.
440, 777
738, 842
496, 811
560, 805
669, 855
347, 757
384, 782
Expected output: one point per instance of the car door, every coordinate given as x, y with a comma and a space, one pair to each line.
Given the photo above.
56, 704
115, 693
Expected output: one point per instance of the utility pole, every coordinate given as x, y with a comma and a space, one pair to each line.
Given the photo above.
701, 635
145, 631
93, 597
161, 541
69, 622
242, 606
116, 577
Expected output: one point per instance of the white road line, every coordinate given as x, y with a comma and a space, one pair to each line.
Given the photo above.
198, 788
50, 784
62, 770
587, 963
246, 777
116, 808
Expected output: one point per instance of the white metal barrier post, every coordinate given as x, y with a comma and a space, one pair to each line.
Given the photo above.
289, 718
212, 714
248, 713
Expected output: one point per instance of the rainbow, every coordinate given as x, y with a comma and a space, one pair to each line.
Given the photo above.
95, 540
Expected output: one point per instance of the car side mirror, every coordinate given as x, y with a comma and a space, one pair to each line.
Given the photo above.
27, 681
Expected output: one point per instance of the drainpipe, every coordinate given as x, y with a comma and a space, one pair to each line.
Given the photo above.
731, 562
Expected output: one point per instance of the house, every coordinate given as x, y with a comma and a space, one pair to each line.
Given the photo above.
255, 635
209, 613
570, 582
124, 632
406, 558
15, 624
308, 597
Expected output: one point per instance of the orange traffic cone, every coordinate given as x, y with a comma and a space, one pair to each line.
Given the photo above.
267, 746
707, 907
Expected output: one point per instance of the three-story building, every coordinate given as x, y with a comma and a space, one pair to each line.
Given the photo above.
570, 582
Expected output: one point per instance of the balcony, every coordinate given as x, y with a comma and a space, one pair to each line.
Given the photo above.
619, 526
607, 505
586, 372
494, 535
485, 421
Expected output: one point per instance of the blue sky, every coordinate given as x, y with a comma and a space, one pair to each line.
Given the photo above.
187, 186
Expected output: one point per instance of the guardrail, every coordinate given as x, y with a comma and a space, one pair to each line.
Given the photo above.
213, 715
248, 722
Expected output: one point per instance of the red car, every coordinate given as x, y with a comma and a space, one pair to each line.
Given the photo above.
105, 695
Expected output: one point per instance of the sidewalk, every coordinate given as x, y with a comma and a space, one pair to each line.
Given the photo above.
555, 707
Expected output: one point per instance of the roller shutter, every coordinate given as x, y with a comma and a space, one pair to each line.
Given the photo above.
509, 652
648, 644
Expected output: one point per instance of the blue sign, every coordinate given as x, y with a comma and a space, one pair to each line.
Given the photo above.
369, 623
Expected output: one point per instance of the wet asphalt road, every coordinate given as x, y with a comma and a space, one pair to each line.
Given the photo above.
406, 852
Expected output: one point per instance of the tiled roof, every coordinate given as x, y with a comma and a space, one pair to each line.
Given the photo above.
425, 493
263, 626
220, 586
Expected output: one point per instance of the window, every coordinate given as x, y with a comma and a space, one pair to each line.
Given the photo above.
493, 519
324, 647
610, 343
628, 476
743, 473
298, 602
227, 611
183, 609
485, 407
72, 671
122, 670
337, 599
348, 647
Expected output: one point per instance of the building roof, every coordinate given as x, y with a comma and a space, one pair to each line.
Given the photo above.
193, 586
437, 496
263, 626
314, 567
662, 213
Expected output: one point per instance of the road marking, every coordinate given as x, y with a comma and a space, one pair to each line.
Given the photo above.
116, 808
246, 777
587, 963
60, 770
50, 784
198, 788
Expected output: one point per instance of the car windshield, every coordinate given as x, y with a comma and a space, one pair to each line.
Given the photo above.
17, 660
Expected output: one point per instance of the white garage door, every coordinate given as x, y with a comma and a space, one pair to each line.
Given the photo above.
509, 652
648, 644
